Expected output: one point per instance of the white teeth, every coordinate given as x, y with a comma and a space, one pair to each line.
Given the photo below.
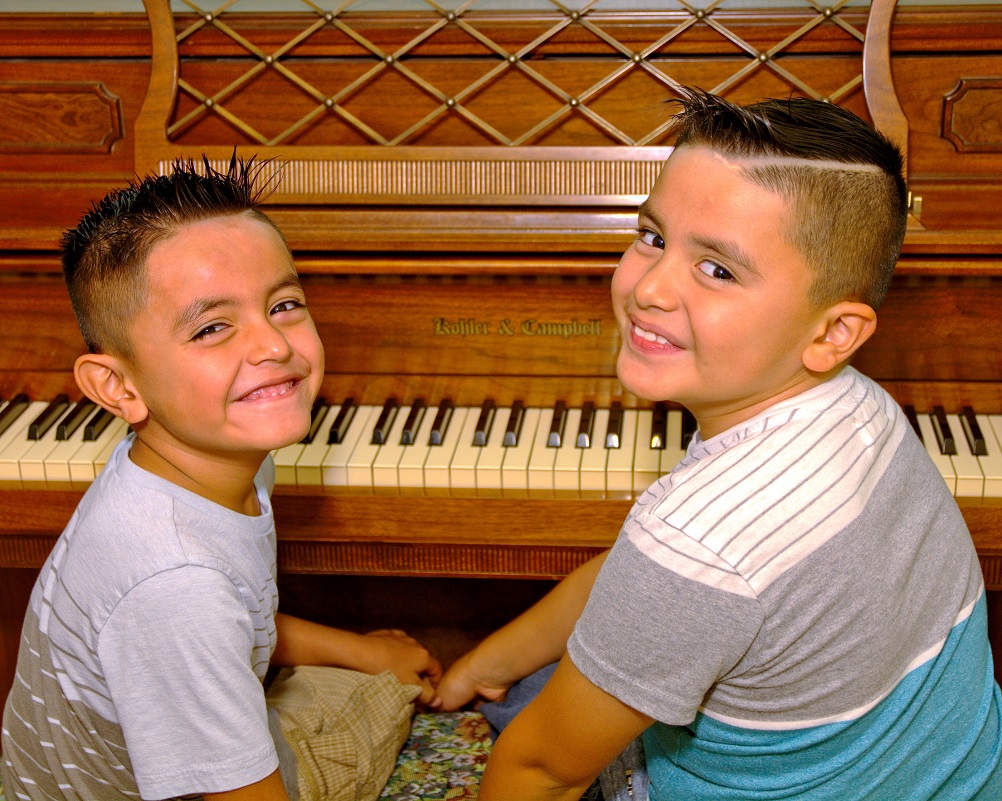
650, 336
269, 392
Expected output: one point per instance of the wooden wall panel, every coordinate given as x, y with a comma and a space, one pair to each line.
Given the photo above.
41, 193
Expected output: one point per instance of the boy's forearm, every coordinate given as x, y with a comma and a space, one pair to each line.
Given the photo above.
302, 642
538, 636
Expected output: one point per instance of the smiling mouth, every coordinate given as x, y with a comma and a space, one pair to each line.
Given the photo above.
270, 391
649, 336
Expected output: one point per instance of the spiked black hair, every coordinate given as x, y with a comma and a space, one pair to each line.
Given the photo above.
104, 256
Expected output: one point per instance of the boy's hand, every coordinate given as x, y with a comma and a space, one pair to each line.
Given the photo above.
460, 685
409, 661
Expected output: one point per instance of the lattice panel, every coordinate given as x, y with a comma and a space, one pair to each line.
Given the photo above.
485, 102
567, 81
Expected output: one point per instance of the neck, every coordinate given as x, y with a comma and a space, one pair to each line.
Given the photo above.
224, 480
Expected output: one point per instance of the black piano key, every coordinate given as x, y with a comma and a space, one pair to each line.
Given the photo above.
385, 422
912, 418
556, 435
97, 424
48, 417
689, 426
514, 429
13, 410
413, 422
68, 425
440, 427
343, 421
317, 414
586, 425
484, 423
975, 438
944, 435
659, 426
614, 431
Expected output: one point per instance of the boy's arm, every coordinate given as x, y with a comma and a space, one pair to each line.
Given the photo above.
301, 642
558, 744
269, 788
534, 639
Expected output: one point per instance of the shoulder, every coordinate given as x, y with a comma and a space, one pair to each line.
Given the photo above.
758, 498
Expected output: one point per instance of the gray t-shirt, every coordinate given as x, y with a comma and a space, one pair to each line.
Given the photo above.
145, 645
799, 596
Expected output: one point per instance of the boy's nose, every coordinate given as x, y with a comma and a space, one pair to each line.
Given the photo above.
268, 343
658, 287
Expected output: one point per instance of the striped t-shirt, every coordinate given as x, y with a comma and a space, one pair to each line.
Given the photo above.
144, 648
800, 607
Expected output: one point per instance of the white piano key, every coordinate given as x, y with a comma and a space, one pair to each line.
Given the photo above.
942, 461
285, 463
492, 455
436, 466
359, 465
32, 461
105, 453
594, 458
646, 460
567, 465
463, 467
14, 443
673, 452
83, 463
540, 467
56, 465
410, 468
384, 468
991, 465
309, 470
619, 467
335, 463
515, 469
970, 479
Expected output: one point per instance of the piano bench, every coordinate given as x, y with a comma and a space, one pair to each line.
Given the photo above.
443, 758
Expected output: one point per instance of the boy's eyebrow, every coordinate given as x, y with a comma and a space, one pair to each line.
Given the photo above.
194, 310
729, 250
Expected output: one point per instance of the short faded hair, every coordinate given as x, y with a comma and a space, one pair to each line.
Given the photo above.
104, 256
841, 178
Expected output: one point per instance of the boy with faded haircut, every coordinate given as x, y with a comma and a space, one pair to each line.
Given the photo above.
153, 622
796, 611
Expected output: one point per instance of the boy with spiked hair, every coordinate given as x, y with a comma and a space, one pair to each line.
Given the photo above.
797, 609
154, 620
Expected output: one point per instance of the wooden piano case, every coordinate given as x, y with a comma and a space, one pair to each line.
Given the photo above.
457, 186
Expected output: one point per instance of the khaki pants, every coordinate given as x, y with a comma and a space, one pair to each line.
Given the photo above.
345, 729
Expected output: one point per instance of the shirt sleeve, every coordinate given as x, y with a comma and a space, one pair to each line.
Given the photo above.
176, 653
656, 640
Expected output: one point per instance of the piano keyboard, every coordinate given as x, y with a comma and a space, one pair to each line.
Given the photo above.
487, 450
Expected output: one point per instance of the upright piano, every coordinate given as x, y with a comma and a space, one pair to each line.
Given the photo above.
472, 443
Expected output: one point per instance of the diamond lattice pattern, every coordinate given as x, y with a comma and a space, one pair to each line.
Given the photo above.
359, 92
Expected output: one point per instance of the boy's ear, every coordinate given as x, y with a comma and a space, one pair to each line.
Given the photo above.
104, 379
844, 328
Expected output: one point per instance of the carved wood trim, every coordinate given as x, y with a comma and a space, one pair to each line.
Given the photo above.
71, 117
972, 115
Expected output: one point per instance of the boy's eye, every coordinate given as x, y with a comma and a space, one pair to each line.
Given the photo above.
209, 330
650, 238
287, 305
714, 270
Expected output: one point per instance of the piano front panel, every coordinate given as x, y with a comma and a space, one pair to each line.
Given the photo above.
487, 331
